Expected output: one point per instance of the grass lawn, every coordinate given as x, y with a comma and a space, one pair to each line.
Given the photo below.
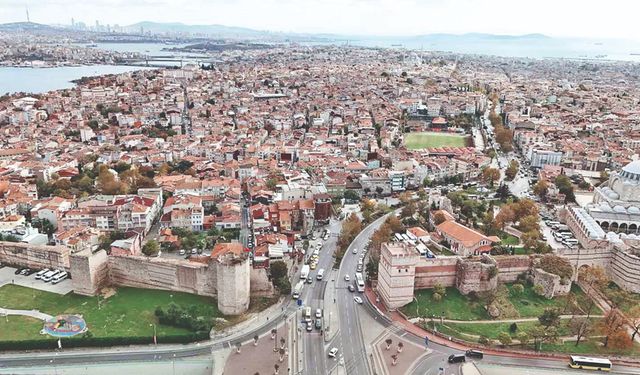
530, 305
128, 312
453, 304
592, 346
19, 328
416, 141
509, 240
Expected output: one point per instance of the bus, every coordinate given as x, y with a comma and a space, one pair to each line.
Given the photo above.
398, 237
586, 363
297, 290
359, 282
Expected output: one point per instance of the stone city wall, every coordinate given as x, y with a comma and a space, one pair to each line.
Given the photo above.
510, 267
90, 272
441, 270
625, 270
34, 256
166, 274
551, 284
477, 275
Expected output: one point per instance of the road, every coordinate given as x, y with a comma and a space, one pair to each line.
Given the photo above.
315, 358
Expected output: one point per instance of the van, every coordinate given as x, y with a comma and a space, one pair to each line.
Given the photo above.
320, 274
457, 358
41, 273
59, 277
49, 275
307, 314
474, 353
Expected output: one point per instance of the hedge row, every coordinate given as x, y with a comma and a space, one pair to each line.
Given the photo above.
77, 342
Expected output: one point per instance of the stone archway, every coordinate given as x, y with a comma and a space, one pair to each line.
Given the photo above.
622, 228
605, 226
633, 229
613, 227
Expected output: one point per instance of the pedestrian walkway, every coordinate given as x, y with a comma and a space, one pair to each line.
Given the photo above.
30, 313
514, 320
331, 318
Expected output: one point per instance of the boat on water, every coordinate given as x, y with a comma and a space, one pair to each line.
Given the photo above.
91, 45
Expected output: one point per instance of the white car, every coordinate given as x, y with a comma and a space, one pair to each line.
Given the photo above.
182, 251
346, 278
355, 250
332, 353
358, 300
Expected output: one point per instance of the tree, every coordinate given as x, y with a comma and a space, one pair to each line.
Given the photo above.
612, 322
634, 316
503, 192
557, 265
278, 269
517, 289
563, 183
513, 328
619, 340
504, 338
439, 218
530, 240
506, 215
351, 195
388, 342
523, 337
550, 318
593, 277
579, 327
151, 248
541, 334
490, 175
440, 289
541, 188
529, 223
512, 170
525, 207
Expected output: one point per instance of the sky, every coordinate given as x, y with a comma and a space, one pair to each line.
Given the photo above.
562, 18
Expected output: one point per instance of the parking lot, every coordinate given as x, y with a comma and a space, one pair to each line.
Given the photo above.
8, 276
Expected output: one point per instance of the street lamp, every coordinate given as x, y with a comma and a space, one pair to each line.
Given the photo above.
155, 340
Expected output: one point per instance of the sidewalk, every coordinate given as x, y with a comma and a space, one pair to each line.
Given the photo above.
515, 320
31, 313
256, 320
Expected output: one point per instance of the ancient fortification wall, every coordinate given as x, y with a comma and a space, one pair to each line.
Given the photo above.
90, 272
625, 270
551, 284
34, 256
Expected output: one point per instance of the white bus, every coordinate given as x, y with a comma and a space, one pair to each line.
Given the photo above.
359, 282
587, 363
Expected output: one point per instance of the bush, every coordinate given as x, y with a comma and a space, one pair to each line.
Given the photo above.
483, 340
86, 341
176, 316
513, 327
517, 289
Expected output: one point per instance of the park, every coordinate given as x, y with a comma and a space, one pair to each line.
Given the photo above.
422, 140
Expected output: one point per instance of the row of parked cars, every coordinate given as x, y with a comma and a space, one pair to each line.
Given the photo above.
46, 275
462, 357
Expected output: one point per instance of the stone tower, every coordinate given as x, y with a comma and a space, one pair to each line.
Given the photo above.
233, 275
396, 274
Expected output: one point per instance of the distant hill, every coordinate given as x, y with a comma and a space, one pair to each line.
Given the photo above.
25, 26
211, 30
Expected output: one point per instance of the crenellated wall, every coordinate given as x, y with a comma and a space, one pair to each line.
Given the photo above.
625, 270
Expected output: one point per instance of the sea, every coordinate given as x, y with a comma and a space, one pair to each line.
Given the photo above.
40, 80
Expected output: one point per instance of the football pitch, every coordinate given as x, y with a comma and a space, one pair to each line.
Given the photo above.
417, 141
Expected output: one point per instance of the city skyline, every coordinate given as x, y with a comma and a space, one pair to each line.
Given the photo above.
354, 17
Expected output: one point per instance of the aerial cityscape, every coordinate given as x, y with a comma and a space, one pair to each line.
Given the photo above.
292, 190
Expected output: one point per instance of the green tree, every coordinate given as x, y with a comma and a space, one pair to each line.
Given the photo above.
550, 317
504, 338
151, 248
563, 183
278, 269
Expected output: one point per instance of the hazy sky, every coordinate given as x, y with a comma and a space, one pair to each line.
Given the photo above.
582, 18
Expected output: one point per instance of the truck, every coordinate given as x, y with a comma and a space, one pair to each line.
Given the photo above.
304, 273
297, 290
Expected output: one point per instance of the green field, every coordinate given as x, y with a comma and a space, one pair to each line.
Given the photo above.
459, 307
129, 312
417, 141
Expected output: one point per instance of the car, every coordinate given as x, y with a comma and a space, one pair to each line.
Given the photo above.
359, 268
194, 251
309, 326
474, 353
30, 271
457, 358
351, 288
25, 272
332, 352
355, 250
318, 324
318, 313
313, 266
346, 278
309, 280
358, 300
182, 252
18, 271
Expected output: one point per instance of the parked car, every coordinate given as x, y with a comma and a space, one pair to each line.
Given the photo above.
59, 277
25, 272
309, 326
357, 299
318, 313
351, 288
318, 324
18, 271
474, 353
194, 251
355, 250
346, 278
182, 252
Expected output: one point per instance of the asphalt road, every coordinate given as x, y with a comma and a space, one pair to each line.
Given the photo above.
315, 357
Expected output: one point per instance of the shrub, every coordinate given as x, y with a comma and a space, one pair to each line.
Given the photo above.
517, 289
437, 297
513, 327
483, 340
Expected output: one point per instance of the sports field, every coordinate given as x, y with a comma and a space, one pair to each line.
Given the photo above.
416, 141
